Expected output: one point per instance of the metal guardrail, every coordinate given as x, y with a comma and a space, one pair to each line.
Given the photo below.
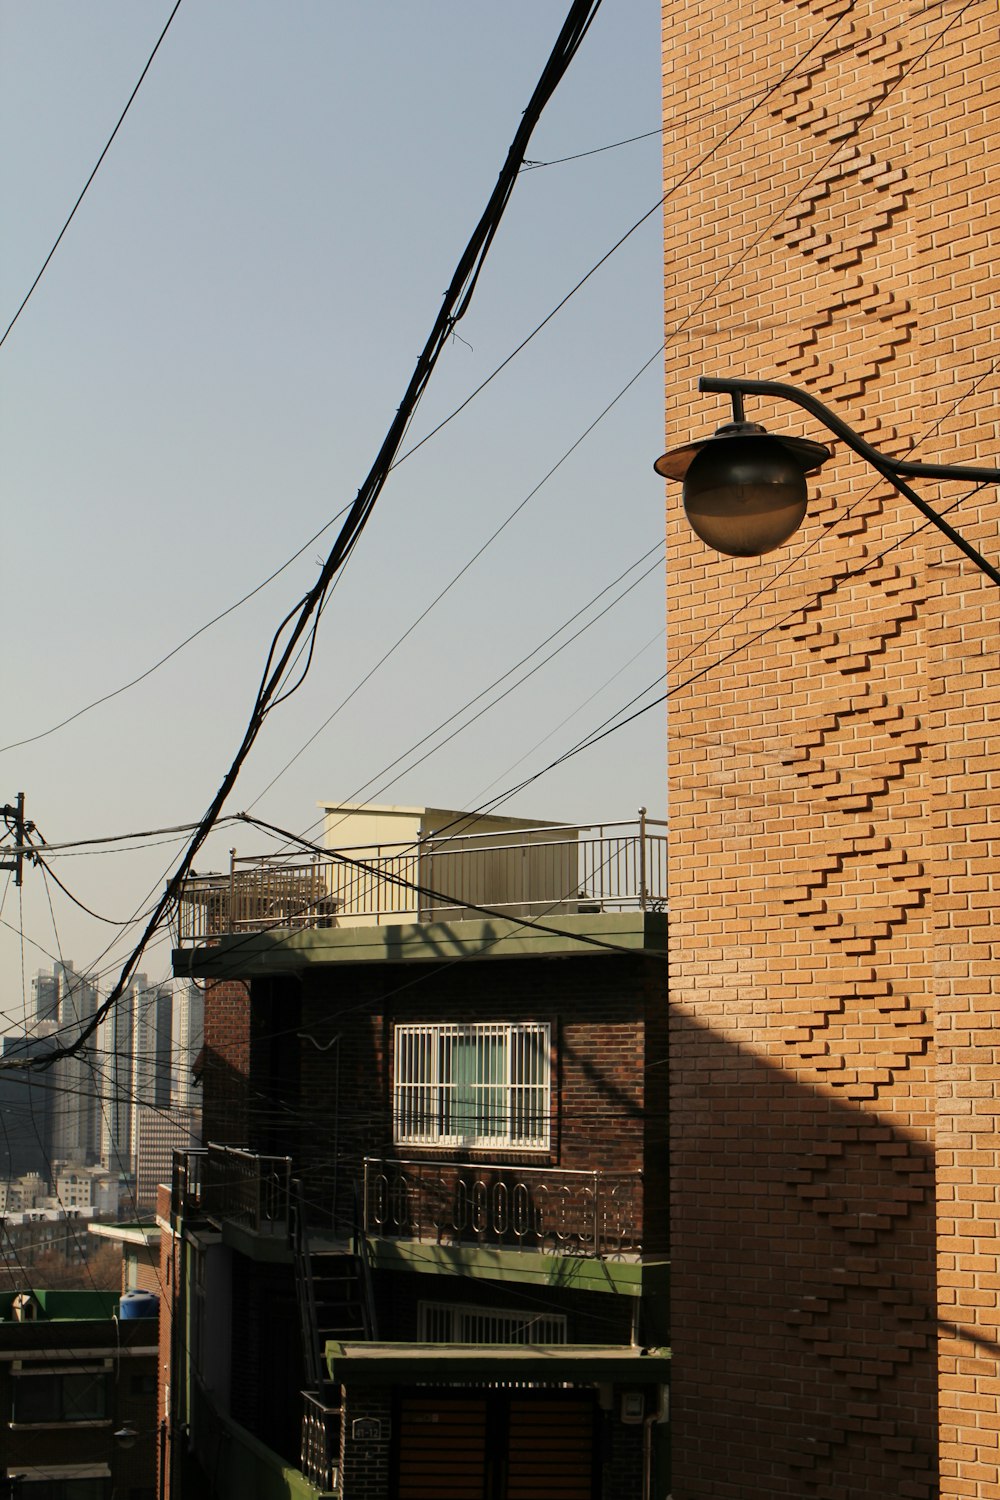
552, 1209
257, 893
186, 1183
320, 1443
223, 1182
574, 868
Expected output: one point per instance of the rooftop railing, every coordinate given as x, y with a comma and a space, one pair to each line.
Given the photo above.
562, 870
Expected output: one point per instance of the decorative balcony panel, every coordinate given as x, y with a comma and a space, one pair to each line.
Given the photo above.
320, 1443
556, 1211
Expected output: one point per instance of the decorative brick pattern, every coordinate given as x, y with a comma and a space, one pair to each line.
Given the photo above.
833, 791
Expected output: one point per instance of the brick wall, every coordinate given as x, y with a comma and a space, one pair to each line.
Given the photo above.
226, 1062
597, 1007
832, 785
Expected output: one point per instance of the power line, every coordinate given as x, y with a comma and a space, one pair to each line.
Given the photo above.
621, 725
302, 619
175, 650
557, 161
760, 99
125, 687
86, 185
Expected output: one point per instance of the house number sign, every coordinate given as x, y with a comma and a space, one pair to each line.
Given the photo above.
366, 1430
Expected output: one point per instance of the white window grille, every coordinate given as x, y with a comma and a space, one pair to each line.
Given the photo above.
480, 1086
459, 1323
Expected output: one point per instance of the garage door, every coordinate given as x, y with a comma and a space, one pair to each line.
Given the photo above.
496, 1445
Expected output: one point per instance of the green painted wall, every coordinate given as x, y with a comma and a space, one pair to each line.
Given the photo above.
72, 1306
247, 1470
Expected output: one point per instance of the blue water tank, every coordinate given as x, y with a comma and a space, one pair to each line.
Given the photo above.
139, 1305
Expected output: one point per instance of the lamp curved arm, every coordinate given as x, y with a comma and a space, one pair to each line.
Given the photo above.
890, 468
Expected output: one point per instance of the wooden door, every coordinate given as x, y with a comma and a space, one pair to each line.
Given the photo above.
441, 1447
496, 1445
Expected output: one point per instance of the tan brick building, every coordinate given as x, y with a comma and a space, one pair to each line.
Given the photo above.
834, 776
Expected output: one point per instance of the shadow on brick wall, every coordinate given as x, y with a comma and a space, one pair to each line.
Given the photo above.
803, 1293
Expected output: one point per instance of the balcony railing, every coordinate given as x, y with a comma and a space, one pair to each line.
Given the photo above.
320, 1443
558, 1211
240, 1187
186, 1191
575, 868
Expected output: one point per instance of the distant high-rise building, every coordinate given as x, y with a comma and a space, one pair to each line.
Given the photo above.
27, 1110
159, 1133
153, 1029
118, 1035
45, 997
77, 1079
189, 1037
140, 1074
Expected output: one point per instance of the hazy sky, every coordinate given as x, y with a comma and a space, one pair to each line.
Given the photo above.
205, 372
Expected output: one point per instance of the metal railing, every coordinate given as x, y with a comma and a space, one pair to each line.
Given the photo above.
258, 892
187, 1182
241, 1187
557, 1210
320, 1443
572, 868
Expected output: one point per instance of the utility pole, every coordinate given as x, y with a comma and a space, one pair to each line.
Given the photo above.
13, 816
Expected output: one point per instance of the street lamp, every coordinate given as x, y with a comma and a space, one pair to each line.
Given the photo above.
745, 488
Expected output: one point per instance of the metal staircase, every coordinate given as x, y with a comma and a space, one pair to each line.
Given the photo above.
335, 1301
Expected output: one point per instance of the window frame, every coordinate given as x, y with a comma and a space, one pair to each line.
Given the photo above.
96, 1378
430, 1095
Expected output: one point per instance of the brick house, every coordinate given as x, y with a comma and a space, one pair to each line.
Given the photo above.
833, 751
425, 1244
77, 1397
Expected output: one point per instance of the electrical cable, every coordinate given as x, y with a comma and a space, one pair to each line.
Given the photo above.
656, 637
93, 174
557, 161
111, 921
443, 724
402, 458
652, 704
409, 452
148, 672
282, 650
54, 728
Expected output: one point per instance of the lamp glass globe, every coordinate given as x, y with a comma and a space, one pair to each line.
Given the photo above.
745, 495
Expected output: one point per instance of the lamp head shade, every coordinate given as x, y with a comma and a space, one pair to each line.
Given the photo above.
744, 488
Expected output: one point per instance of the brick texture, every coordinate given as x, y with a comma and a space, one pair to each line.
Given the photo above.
833, 785
608, 1018
226, 1062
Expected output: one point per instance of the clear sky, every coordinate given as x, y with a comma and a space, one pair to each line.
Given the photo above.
205, 372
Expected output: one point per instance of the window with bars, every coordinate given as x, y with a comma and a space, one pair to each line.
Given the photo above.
465, 1323
475, 1085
